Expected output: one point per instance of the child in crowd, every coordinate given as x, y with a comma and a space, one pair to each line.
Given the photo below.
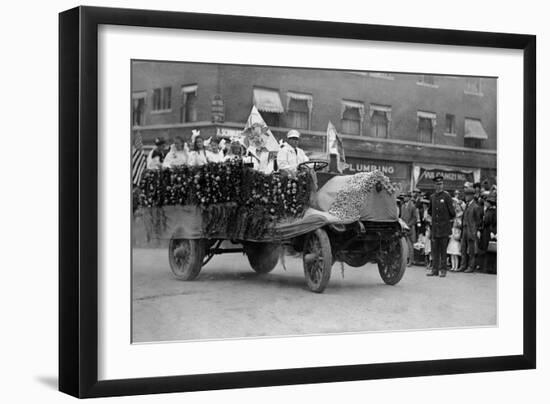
453, 248
428, 245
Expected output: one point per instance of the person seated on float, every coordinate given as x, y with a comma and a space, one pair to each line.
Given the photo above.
290, 155
178, 154
236, 150
156, 156
214, 153
197, 157
257, 154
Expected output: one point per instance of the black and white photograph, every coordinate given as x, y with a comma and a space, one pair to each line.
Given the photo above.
274, 201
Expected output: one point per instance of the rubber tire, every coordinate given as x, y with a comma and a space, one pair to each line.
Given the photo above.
191, 268
263, 257
320, 237
401, 261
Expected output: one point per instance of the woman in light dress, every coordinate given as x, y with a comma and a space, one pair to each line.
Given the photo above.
453, 248
214, 154
178, 154
197, 157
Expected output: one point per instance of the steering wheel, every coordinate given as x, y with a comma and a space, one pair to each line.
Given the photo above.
317, 165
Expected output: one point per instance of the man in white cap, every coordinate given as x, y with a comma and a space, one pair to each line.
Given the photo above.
290, 155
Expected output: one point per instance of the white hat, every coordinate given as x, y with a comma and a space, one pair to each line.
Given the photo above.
293, 133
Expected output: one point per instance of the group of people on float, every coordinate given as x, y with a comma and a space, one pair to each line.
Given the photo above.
216, 150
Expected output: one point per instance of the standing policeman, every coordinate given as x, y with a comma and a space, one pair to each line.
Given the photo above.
442, 211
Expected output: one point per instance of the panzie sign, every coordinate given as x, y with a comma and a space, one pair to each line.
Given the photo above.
453, 179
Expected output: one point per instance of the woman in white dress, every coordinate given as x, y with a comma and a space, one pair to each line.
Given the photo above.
178, 154
214, 154
453, 248
197, 157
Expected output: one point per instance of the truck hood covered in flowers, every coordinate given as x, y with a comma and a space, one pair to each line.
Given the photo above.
363, 196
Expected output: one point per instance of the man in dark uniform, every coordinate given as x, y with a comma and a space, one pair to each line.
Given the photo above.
442, 212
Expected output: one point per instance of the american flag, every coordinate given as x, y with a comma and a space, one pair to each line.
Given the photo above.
139, 159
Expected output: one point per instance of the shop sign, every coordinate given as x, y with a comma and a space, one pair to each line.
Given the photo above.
451, 178
391, 169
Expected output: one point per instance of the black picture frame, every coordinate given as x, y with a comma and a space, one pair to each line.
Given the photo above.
78, 196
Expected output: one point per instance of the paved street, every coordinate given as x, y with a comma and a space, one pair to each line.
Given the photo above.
229, 300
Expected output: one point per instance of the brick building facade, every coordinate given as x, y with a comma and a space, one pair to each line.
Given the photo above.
411, 126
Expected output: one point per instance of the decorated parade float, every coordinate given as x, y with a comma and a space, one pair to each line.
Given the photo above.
229, 207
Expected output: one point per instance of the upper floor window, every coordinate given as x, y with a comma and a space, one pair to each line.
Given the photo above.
380, 118
474, 133
299, 106
138, 108
162, 99
380, 75
473, 86
188, 112
352, 117
268, 102
426, 126
450, 124
426, 80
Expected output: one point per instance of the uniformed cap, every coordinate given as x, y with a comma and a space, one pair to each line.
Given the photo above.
469, 191
293, 134
159, 141
438, 178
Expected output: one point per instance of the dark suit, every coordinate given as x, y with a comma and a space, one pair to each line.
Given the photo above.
442, 212
409, 214
471, 223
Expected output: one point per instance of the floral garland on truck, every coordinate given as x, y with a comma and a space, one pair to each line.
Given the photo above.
349, 199
234, 199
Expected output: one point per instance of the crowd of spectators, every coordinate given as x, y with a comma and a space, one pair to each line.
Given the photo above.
471, 244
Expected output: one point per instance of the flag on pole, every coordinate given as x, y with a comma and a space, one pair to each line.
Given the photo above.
269, 140
139, 159
335, 146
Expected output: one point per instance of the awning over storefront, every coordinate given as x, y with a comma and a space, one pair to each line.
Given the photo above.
268, 100
473, 129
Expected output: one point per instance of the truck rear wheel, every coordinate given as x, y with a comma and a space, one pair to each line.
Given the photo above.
186, 257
